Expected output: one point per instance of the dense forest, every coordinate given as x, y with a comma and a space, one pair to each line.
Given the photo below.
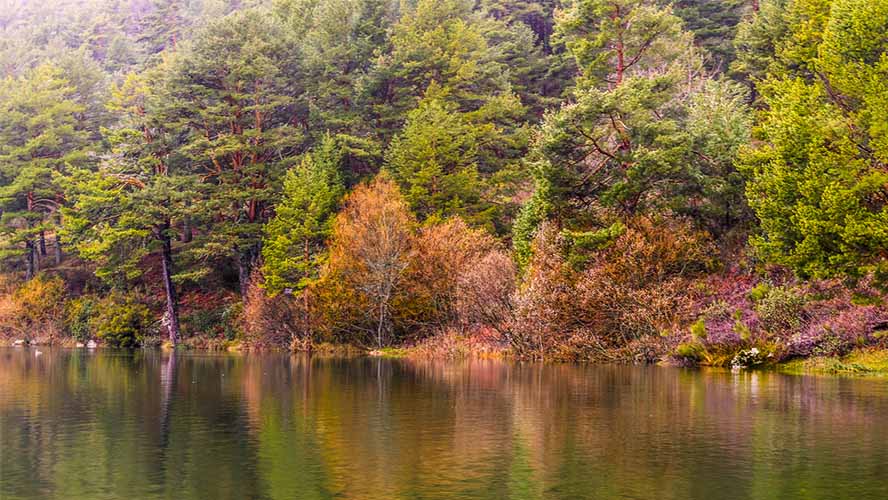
702, 181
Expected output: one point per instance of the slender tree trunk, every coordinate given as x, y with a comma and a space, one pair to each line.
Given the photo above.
621, 52
58, 249
245, 262
187, 232
42, 240
30, 264
379, 327
35, 251
306, 313
172, 302
621, 64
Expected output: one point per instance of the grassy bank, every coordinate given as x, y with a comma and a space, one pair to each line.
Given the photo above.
873, 362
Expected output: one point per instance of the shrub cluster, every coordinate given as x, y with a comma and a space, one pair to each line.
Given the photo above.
780, 319
34, 309
637, 286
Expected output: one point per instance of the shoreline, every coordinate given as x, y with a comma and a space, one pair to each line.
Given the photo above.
860, 362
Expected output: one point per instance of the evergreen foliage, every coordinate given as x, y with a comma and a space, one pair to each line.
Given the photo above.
218, 150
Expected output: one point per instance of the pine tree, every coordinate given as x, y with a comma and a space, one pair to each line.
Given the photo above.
714, 25
612, 40
293, 246
817, 172
435, 41
40, 138
449, 162
435, 160
125, 210
538, 15
163, 25
631, 138
232, 97
338, 40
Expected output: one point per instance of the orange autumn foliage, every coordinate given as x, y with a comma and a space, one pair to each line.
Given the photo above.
389, 280
638, 287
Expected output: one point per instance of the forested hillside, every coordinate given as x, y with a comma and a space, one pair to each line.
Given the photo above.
621, 180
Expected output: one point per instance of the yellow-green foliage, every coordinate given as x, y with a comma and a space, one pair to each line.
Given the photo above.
34, 308
759, 291
858, 362
698, 329
40, 300
691, 351
78, 313
121, 322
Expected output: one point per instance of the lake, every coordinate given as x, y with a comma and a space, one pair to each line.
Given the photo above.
76, 424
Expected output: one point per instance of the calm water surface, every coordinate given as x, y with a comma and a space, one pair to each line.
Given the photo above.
146, 425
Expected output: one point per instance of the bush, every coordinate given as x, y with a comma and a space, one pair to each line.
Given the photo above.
271, 321
389, 281
485, 292
698, 329
837, 333
121, 322
214, 322
640, 285
458, 277
35, 308
689, 352
78, 313
780, 308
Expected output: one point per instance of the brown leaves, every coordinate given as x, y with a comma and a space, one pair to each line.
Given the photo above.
639, 286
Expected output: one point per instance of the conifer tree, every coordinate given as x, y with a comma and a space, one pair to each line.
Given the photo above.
435, 41
293, 245
625, 142
125, 210
41, 137
232, 98
817, 172
448, 162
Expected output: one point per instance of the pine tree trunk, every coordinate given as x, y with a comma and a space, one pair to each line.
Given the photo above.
30, 264
58, 249
187, 232
35, 251
245, 262
172, 302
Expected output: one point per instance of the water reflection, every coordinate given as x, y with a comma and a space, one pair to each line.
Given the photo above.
95, 425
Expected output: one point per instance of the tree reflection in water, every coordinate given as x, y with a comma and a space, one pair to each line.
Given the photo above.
148, 424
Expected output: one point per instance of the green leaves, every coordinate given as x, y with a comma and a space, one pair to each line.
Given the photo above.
612, 40
293, 244
817, 179
645, 131
447, 162
41, 136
